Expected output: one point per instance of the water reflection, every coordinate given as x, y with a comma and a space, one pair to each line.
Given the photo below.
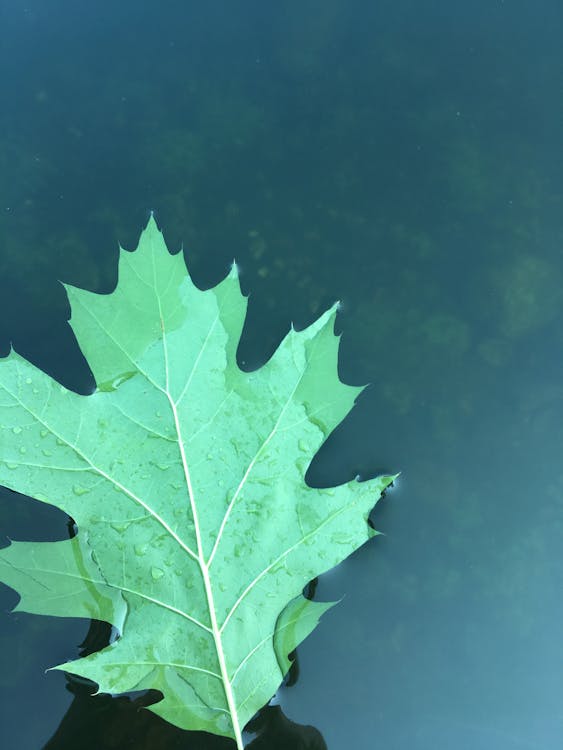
103, 722
277, 732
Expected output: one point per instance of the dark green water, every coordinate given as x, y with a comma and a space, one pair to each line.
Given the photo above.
406, 158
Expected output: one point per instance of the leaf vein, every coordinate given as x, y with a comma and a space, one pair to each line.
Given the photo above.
110, 479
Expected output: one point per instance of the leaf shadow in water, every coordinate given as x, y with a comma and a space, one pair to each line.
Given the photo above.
103, 722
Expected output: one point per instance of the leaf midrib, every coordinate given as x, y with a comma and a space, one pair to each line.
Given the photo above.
216, 632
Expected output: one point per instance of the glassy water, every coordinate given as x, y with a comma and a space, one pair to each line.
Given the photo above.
403, 157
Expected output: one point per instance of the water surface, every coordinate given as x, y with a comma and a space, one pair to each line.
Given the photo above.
402, 157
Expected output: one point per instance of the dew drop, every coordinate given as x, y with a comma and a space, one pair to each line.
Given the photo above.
79, 490
156, 573
44, 433
28, 381
23, 450
16, 430
12, 466
303, 446
224, 725
302, 465
140, 549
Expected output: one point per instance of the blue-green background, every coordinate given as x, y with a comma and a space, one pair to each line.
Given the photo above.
404, 156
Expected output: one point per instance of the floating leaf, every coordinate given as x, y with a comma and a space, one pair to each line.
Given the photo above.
185, 477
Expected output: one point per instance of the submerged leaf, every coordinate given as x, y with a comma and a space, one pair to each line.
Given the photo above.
185, 476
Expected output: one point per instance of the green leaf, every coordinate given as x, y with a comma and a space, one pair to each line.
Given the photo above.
185, 477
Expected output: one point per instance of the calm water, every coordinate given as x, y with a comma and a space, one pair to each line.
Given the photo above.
403, 157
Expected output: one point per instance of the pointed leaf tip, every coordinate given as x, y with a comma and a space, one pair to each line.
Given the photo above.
151, 229
152, 221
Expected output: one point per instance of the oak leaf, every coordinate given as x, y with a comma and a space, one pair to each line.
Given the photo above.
185, 476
